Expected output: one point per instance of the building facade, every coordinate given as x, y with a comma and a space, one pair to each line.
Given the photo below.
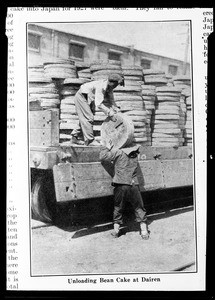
46, 44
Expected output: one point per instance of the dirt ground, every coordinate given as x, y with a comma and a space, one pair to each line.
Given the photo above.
92, 250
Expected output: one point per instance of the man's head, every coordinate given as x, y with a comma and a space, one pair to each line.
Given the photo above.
114, 80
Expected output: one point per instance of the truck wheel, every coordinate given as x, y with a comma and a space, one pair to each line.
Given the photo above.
43, 201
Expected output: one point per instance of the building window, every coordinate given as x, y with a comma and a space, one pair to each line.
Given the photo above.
146, 64
114, 54
173, 69
76, 49
34, 41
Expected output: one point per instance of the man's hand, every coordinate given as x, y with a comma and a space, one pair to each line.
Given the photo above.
113, 118
112, 115
109, 144
116, 109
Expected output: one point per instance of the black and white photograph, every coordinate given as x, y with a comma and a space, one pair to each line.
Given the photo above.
110, 115
107, 127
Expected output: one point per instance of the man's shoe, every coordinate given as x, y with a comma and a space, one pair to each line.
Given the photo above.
74, 140
115, 234
145, 235
94, 143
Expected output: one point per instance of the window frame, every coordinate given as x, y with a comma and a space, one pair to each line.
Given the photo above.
175, 66
146, 59
37, 34
117, 52
77, 43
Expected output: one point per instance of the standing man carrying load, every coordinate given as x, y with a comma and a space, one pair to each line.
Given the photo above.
90, 95
122, 165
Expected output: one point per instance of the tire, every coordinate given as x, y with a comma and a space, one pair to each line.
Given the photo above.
43, 201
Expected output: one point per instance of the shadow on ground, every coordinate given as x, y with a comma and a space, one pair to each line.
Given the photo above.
128, 226
90, 216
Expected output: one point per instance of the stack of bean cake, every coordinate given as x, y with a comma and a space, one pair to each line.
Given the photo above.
167, 124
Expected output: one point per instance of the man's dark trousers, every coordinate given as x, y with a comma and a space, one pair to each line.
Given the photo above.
131, 193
